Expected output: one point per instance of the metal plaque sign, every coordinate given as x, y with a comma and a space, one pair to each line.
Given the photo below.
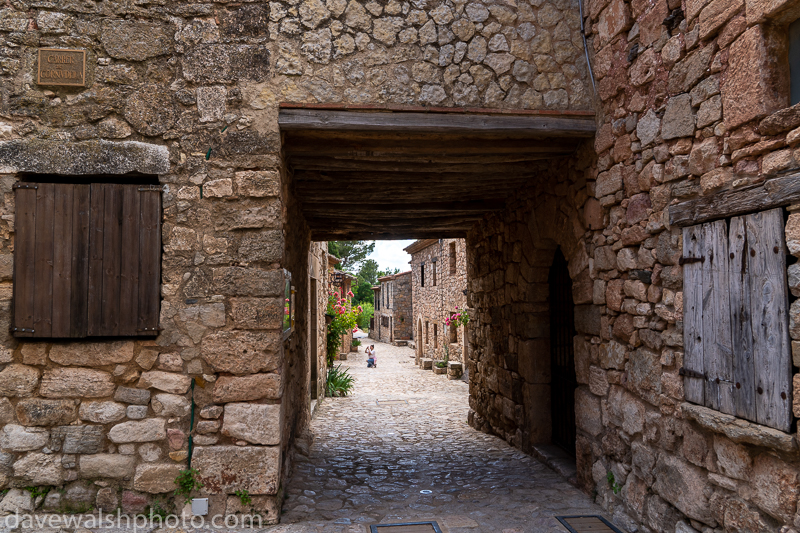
61, 67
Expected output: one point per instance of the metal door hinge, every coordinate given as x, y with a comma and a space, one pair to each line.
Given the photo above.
687, 260
691, 373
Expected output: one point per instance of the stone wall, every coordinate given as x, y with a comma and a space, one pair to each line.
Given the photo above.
318, 271
444, 291
510, 258
691, 99
396, 309
691, 104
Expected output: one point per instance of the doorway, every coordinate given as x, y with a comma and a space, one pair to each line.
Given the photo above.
314, 344
562, 355
419, 340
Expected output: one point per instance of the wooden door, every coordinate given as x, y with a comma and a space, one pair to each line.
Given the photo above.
562, 355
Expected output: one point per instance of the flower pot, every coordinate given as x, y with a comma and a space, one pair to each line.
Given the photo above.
439, 370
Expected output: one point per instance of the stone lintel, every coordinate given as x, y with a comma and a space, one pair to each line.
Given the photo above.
739, 430
86, 157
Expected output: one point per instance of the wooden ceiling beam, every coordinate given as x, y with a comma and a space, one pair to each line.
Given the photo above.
299, 163
329, 235
387, 178
401, 206
450, 123
344, 146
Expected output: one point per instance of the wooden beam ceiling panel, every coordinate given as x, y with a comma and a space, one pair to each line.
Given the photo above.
366, 175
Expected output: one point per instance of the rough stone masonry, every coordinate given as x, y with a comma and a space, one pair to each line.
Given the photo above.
692, 100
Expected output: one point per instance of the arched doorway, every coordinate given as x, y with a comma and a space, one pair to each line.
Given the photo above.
562, 355
419, 340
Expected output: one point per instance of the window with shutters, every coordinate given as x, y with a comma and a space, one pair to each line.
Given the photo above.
87, 260
737, 352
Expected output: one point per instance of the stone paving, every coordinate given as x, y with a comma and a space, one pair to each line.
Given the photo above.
370, 462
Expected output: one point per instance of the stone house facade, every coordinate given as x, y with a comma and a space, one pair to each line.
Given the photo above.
439, 289
393, 309
182, 115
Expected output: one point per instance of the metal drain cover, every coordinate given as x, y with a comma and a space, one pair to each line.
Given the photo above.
587, 524
408, 527
392, 402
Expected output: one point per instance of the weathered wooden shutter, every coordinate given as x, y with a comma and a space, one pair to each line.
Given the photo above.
87, 260
50, 260
737, 357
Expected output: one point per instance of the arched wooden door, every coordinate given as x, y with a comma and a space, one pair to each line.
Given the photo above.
562, 355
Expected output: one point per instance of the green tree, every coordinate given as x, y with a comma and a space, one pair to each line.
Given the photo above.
366, 315
352, 253
366, 278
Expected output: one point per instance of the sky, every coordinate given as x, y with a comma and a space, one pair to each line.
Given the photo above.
390, 255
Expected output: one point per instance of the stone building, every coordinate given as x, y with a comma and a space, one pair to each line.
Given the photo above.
439, 281
393, 319
155, 207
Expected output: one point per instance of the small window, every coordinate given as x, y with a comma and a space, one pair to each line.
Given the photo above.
737, 354
452, 258
422, 274
453, 331
435, 334
433, 272
427, 333
794, 61
87, 260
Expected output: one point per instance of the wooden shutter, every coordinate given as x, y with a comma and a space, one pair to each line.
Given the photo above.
50, 260
87, 260
737, 356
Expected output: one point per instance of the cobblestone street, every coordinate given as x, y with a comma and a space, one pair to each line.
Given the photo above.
370, 462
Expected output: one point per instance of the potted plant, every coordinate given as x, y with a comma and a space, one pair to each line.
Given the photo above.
354, 345
440, 367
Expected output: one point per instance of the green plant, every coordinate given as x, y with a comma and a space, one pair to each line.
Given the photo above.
344, 320
459, 318
157, 509
443, 362
38, 491
367, 312
356, 343
187, 482
244, 496
339, 382
612, 482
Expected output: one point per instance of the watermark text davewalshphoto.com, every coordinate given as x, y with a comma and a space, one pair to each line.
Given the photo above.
136, 522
